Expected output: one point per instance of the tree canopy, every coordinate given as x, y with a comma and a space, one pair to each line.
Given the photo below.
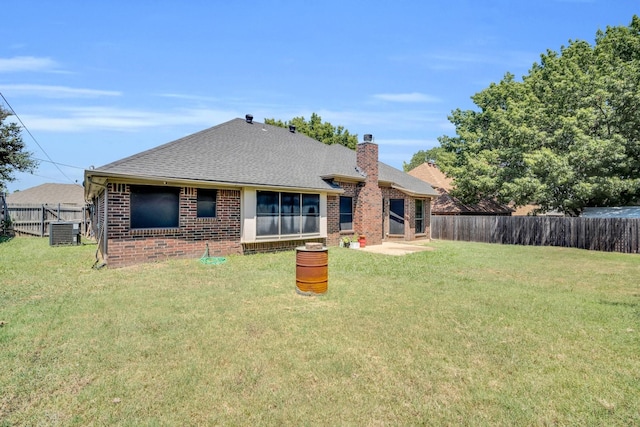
13, 156
565, 137
316, 129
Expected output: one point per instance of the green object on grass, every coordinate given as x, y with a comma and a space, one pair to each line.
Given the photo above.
213, 260
206, 259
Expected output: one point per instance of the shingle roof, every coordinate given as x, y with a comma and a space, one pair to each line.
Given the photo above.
431, 173
49, 194
253, 154
446, 204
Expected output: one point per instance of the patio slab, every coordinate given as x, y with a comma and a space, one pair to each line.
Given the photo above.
396, 248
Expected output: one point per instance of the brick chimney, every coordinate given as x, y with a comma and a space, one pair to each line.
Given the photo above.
368, 211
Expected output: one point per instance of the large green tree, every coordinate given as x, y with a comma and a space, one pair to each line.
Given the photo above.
565, 137
13, 156
316, 129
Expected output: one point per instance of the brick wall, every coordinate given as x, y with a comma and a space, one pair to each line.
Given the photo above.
128, 246
368, 206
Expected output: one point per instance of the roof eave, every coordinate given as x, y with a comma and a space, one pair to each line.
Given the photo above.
412, 193
99, 180
343, 178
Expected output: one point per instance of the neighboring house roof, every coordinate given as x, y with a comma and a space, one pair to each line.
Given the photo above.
239, 153
432, 174
49, 194
527, 210
446, 204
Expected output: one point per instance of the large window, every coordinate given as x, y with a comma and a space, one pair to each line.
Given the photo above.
206, 203
419, 216
155, 207
396, 216
287, 213
346, 213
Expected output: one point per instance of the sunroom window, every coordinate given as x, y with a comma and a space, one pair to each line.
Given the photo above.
289, 214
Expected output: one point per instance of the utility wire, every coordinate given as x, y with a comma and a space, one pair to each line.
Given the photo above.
57, 163
52, 179
34, 139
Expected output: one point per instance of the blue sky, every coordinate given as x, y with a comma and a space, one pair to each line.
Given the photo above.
94, 82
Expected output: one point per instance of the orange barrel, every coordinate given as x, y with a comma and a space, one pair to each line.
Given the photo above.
312, 269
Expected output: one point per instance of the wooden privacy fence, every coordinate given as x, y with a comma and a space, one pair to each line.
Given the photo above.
34, 220
598, 234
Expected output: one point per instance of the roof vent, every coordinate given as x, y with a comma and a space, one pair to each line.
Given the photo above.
249, 118
292, 129
368, 137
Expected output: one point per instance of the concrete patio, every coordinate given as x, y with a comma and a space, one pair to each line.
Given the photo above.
397, 248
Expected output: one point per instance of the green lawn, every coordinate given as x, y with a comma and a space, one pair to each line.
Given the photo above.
467, 334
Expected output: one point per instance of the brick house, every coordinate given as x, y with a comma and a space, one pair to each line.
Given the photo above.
243, 187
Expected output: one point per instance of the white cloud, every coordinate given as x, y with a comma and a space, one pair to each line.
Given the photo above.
47, 91
26, 63
395, 119
406, 97
87, 119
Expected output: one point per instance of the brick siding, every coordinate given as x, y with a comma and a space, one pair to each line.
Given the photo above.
128, 246
368, 207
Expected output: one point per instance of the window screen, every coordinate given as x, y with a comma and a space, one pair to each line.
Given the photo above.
155, 207
419, 216
206, 203
287, 213
346, 213
396, 216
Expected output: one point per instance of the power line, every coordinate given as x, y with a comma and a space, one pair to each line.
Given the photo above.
34, 139
56, 163
53, 179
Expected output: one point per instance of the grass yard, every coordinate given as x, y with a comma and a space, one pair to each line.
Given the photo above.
467, 334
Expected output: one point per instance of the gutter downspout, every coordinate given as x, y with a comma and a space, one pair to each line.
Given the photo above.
105, 225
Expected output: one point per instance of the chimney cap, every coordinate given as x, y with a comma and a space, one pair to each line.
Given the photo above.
292, 128
249, 118
368, 137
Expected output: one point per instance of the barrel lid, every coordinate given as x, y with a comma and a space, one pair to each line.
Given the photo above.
312, 247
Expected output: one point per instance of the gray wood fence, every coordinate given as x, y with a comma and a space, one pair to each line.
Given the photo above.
34, 220
599, 234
